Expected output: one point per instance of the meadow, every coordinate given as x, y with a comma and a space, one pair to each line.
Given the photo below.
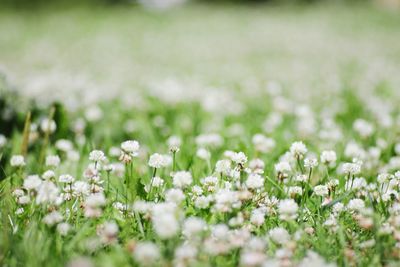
205, 135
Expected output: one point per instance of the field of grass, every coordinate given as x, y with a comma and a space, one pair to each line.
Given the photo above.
206, 135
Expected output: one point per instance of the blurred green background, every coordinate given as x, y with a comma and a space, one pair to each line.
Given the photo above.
99, 50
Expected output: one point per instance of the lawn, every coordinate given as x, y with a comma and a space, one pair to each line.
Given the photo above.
206, 135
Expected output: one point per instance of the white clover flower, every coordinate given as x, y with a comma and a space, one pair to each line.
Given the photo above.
52, 218
23, 200
351, 168
256, 244
182, 179
18, 192
79, 126
48, 192
223, 166
389, 195
257, 217
164, 220
229, 154
257, 165
130, 126
92, 205
254, 181
236, 221
114, 151
363, 128
252, 258
93, 113
203, 154
47, 175
157, 161
209, 140
95, 200
395, 209
146, 253
321, 190
384, 178
17, 161
312, 259
47, 125
239, 237
294, 190
66, 178
63, 228
131, 147
202, 202
298, 150
301, 178
332, 183
174, 143
283, 169
338, 207
108, 167
239, 158
331, 223
356, 204
197, 190
52, 161
209, 181
367, 244
34, 128
97, 156
185, 253
168, 160
374, 153
354, 150
19, 211
193, 226
287, 209
73, 155
108, 232
220, 231
32, 182
80, 189
263, 143
226, 200
283, 253
272, 121
119, 206
356, 183
328, 157
234, 174
64, 145
310, 162
157, 182
174, 195
279, 235
80, 262
142, 206
119, 169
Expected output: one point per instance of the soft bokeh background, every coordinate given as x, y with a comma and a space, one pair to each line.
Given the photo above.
84, 52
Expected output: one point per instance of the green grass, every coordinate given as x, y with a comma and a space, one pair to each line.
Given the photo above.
335, 65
